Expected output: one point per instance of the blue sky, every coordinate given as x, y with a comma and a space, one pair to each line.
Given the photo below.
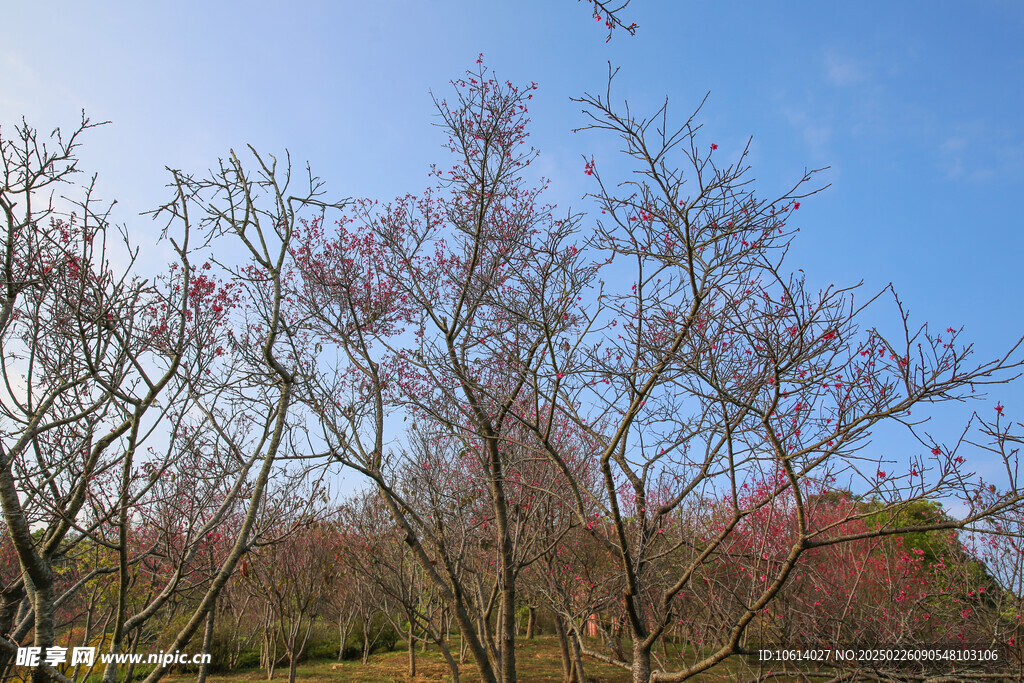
916, 107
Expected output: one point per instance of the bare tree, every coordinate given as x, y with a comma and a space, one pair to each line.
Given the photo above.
714, 369
293, 576
81, 372
376, 554
246, 401
481, 274
652, 429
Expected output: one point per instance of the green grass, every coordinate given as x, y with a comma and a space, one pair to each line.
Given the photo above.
537, 661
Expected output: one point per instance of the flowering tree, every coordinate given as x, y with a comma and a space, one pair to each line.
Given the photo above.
374, 553
713, 370
640, 426
292, 577
245, 395
481, 274
996, 598
610, 14
709, 372
82, 373
577, 582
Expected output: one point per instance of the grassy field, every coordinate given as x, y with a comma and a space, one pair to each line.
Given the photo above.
538, 661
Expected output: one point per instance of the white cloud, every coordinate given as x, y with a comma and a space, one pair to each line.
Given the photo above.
843, 71
816, 133
978, 151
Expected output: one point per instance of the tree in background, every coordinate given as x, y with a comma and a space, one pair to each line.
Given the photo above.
293, 577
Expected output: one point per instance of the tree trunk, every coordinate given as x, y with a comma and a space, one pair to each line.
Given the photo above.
507, 631
531, 622
617, 640
577, 658
453, 666
366, 641
641, 662
412, 652
204, 668
12, 597
344, 626
270, 650
43, 604
563, 648
129, 673
341, 640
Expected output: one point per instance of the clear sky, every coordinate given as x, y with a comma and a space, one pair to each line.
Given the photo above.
915, 105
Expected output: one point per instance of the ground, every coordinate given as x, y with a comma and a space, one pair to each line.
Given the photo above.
538, 662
